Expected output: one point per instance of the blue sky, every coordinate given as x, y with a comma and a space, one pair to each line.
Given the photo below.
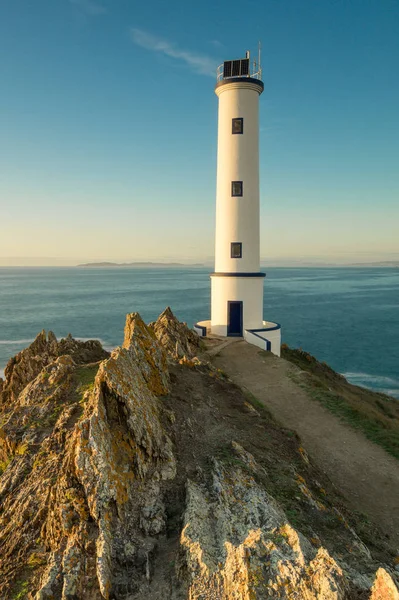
108, 127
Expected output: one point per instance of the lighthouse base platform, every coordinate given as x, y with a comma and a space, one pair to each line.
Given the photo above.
267, 337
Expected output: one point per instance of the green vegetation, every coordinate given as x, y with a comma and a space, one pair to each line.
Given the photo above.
85, 376
278, 537
22, 449
83, 381
21, 590
295, 518
253, 400
376, 415
258, 405
71, 391
221, 374
36, 560
265, 354
3, 465
376, 429
228, 457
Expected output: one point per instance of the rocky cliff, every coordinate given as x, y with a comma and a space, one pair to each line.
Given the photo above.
147, 474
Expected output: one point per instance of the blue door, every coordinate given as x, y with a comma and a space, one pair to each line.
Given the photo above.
234, 318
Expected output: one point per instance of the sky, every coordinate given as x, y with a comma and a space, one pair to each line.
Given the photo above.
108, 128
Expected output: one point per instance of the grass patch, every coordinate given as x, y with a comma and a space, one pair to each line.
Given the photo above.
72, 392
83, 382
265, 353
372, 413
375, 429
253, 401
258, 405
85, 376
228, 457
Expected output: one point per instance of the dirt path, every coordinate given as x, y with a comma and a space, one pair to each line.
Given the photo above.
365, 474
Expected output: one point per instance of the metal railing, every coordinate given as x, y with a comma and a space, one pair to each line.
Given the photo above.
254, 70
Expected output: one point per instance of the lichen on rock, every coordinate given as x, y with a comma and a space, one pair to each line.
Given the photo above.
175, 337
27, 364
384, 587
137, 475
238, 544
147, 353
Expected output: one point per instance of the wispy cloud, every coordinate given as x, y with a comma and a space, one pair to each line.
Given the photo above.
199, 63
216, 44
89, 7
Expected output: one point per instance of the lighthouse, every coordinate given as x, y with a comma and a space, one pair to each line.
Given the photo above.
237, 281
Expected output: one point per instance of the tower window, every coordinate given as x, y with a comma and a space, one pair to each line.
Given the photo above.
238, 125
236, 188
236, 250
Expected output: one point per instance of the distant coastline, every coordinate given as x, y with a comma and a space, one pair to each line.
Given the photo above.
156, 265
386, 263
149, 265
265, 264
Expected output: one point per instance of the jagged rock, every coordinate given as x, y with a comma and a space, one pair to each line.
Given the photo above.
34, 404
107, 492
120, 451
237, 544
149, 356
178, 340
27, 364
48, 382
97, 475
384, 587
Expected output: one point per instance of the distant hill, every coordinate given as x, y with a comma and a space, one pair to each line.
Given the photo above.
139, 264
156, 265
384, 263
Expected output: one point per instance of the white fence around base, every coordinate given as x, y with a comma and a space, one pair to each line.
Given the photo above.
202, 327
267, 339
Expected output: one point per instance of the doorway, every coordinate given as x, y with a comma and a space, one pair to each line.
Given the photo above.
234, 318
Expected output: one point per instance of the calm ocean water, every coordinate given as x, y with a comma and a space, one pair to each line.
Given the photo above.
348, 317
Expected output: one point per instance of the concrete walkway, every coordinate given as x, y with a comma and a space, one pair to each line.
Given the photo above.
364, 473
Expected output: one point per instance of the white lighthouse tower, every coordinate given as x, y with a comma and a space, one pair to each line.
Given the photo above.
237, 283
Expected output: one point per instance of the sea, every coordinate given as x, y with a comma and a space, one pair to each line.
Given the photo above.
347, 317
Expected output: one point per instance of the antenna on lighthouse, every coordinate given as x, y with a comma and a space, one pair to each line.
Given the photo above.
259, 65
